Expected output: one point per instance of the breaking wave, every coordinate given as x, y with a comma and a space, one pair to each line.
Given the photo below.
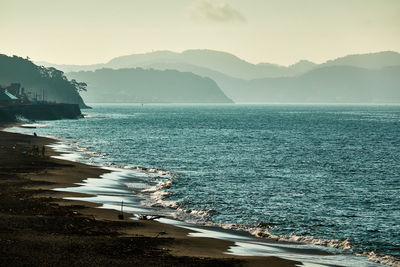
158, 197
382, 259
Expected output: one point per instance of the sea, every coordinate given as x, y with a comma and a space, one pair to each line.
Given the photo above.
323, 175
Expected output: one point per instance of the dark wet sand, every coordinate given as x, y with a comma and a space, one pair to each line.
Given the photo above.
39, 228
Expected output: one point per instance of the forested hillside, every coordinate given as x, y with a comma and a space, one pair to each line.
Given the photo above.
43, 83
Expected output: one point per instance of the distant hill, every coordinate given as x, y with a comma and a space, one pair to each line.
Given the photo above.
38, 80
221, 62
71, 68
148, 86
242, 81
218, 61
232, 66
302, 66
369, 61
334, 84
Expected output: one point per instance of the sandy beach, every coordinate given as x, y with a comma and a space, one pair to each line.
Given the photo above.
39, 227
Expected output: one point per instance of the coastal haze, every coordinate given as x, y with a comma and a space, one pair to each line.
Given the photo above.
363, 78
226, 132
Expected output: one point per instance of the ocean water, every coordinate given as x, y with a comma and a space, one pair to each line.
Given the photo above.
297, 171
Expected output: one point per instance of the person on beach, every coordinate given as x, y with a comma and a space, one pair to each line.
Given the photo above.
35, 150
43, 151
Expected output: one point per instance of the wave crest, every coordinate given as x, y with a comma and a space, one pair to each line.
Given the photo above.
382, 259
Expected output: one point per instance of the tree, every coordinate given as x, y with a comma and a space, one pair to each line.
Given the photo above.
56, 74
79, 86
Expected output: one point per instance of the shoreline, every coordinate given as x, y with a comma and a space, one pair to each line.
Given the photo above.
27, 195
233, 247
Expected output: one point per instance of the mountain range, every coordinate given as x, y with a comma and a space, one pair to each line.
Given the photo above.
222, 62
363, 78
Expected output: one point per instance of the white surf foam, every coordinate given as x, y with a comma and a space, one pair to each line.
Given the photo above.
382, 259
158, 197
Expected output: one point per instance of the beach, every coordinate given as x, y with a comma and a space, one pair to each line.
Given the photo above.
39, 227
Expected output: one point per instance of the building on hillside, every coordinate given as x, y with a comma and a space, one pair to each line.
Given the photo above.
14, 90
6, 98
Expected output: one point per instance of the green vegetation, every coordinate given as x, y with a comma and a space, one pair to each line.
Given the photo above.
40, 83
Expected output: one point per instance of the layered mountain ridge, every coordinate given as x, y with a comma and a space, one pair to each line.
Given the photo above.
363, 78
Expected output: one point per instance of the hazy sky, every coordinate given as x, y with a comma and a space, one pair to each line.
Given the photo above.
276, 31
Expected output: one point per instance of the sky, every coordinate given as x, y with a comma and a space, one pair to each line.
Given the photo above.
275, 31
